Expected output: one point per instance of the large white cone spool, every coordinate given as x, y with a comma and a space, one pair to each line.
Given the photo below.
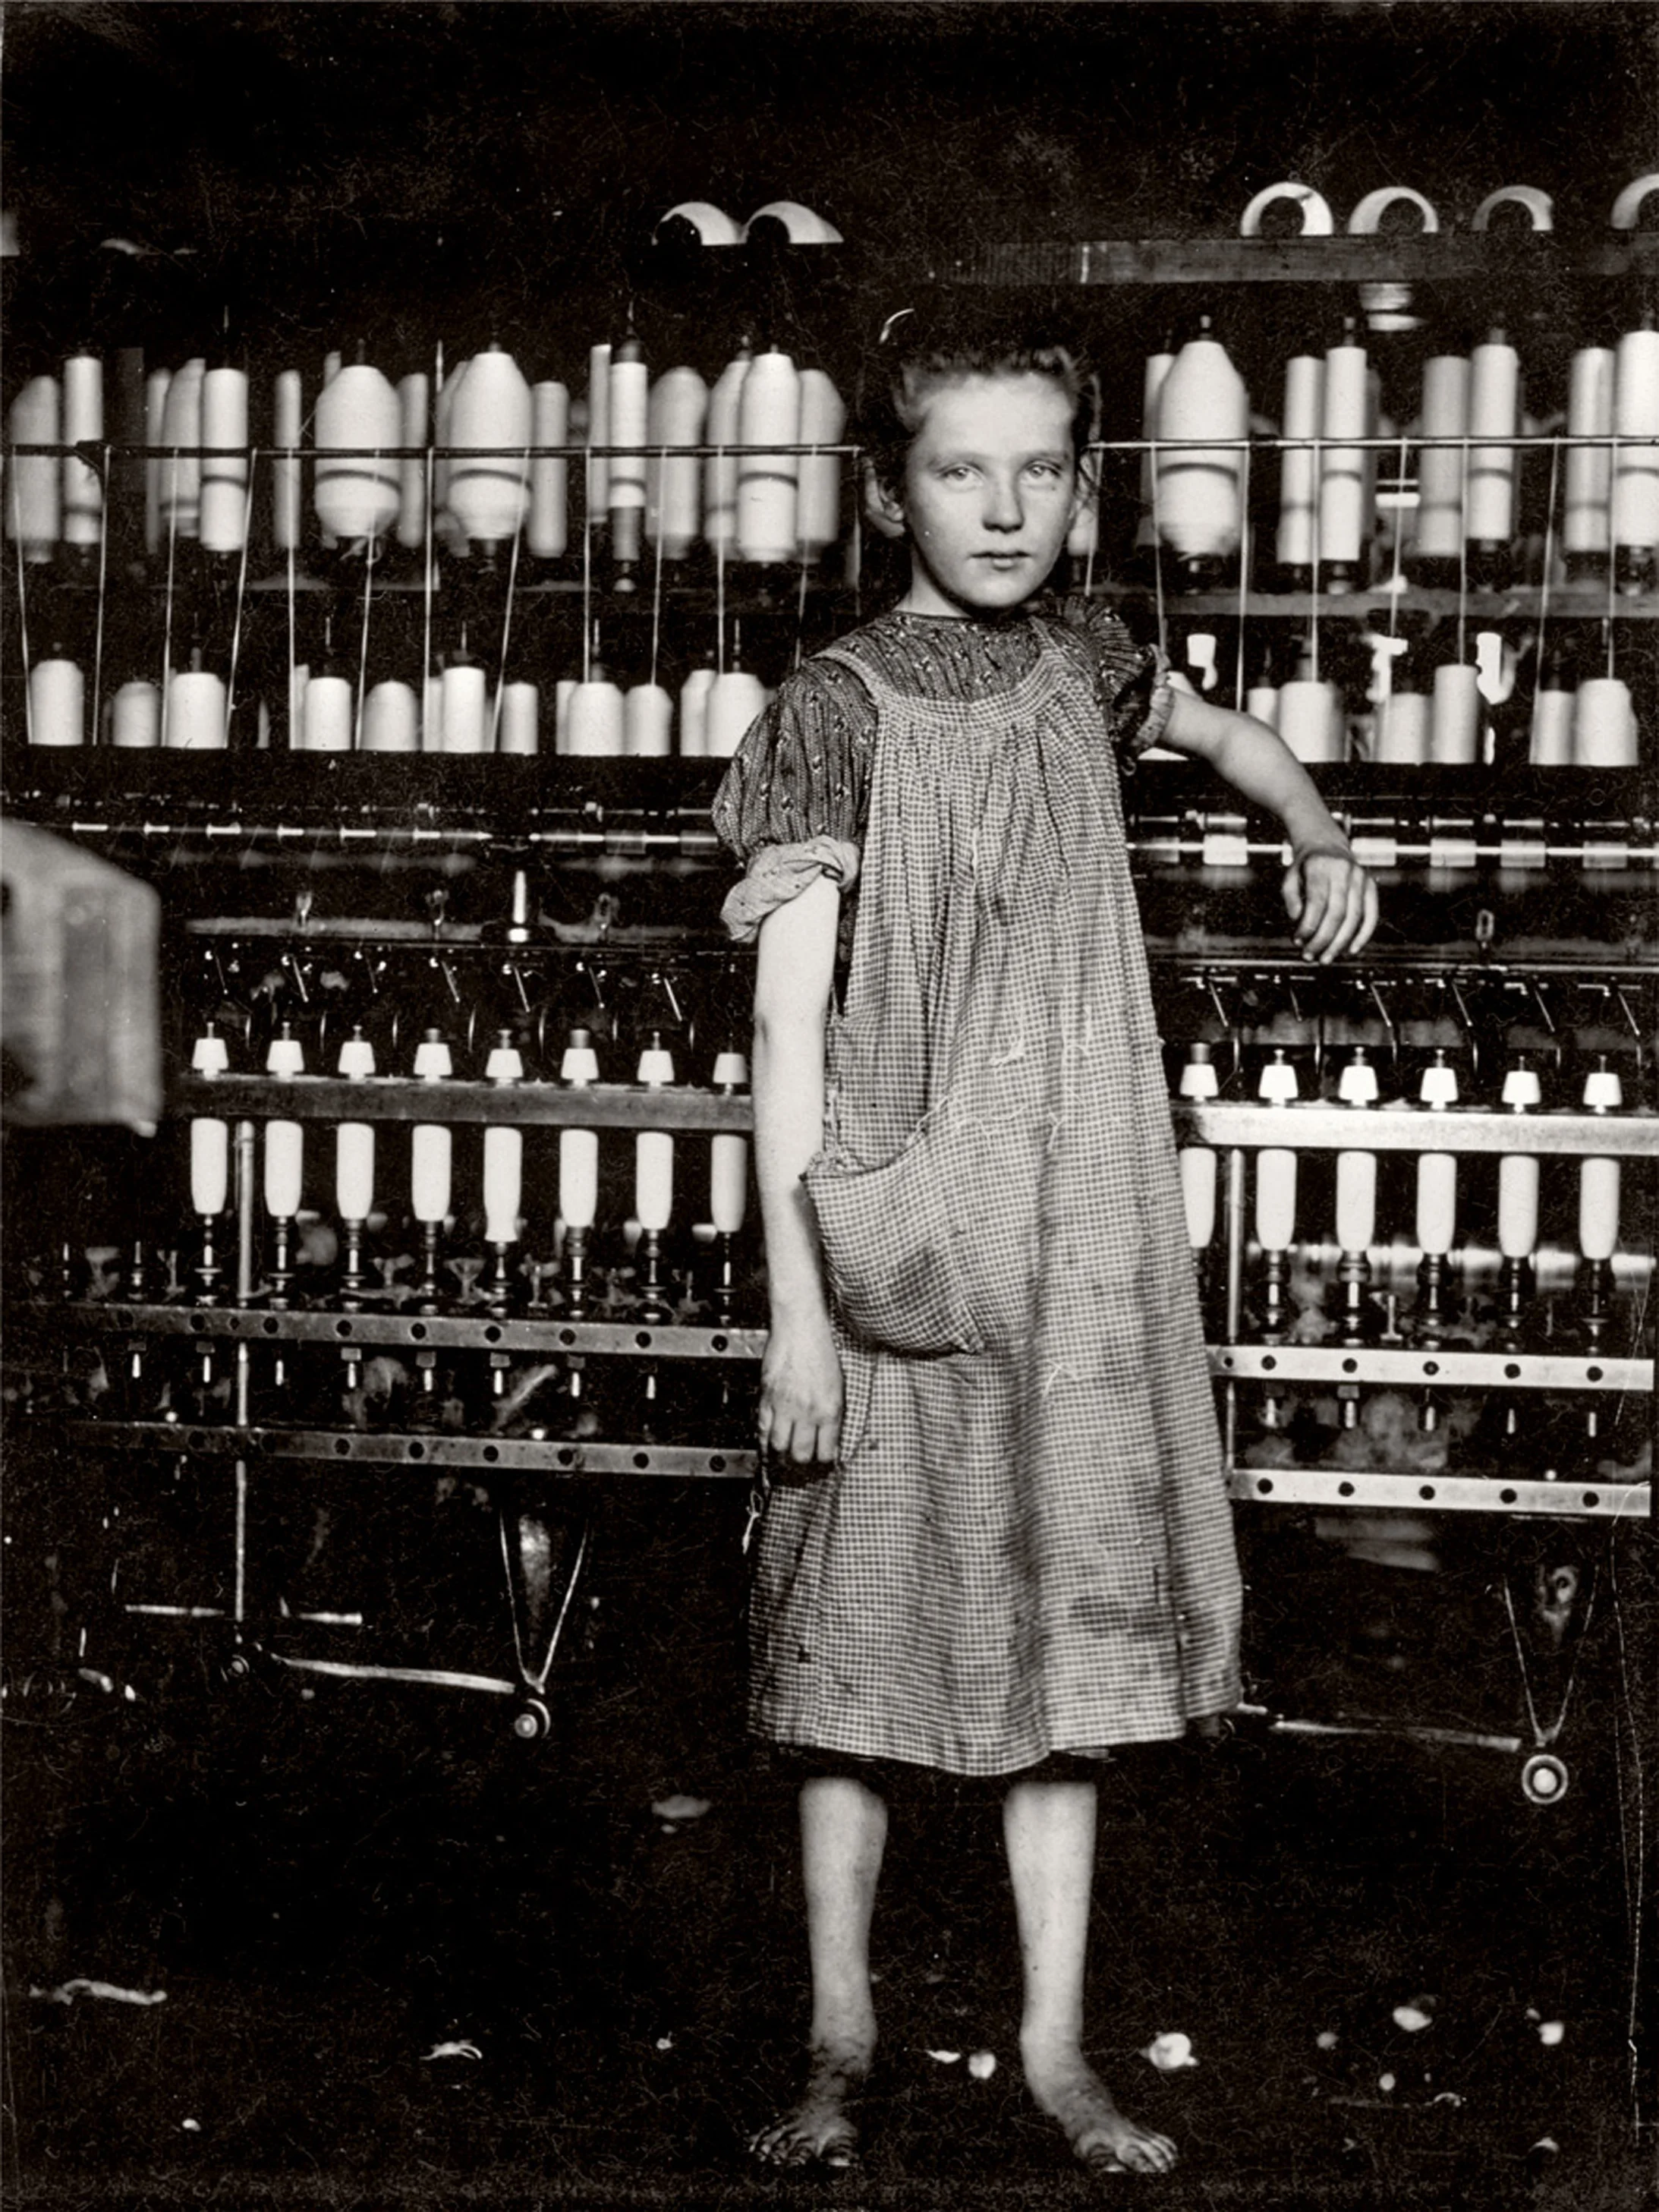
194, 712
1275, 1199
1455, 729
491, 419
1344, 522
157, 385
595, 721
1636, 466
1202, 396
630, 415
769, 414
392, 720
360, 421
136, 717
1438, 535
1262, 701
503, 1184
209, 1164
1551, 742
1436, 1201
1299, 483
287, 469
34, 487
224, 461
1494, 412
465, 710
285, 1159
431, 1171
728, 1155
1517, 1205
822, 423
83, 424
327, 716
678, 410
579, 1149
1586, 514
1310, 719
720, 495
354, 1167
654, 1150
518, 729
1604, 733
734, 700
694, 713
647, 722
549, 530
1402, 729
181, 465
58, 704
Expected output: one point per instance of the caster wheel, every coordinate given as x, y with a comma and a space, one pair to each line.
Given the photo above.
1544, 1779
238, 1667
532, 1721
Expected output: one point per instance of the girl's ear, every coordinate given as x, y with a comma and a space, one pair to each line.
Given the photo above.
883, 510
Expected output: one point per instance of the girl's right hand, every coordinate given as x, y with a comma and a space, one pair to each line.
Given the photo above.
801, 1392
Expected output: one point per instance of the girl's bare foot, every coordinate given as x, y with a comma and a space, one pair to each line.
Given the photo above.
1101, 2137
817, 2131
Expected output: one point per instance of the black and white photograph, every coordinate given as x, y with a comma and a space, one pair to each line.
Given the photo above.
828, 1348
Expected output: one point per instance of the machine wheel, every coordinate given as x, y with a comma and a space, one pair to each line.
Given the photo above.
1545, 1779
533, 1721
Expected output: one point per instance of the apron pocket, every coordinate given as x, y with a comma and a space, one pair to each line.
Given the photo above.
889, 1249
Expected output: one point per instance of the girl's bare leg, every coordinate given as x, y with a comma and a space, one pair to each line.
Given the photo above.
843, 1829
1050, 1830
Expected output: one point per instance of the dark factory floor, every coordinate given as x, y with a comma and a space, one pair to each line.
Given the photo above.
409, 1960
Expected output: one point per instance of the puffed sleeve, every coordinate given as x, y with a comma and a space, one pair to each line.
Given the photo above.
791, 805
1134, 680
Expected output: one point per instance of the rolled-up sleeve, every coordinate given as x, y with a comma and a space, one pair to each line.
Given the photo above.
791, 805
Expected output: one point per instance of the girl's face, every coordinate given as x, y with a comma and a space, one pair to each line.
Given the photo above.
990, 490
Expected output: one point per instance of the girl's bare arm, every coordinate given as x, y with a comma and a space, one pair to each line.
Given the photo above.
801, 1403
1331, 900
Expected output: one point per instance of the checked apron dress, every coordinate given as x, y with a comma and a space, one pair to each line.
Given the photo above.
1025, 1544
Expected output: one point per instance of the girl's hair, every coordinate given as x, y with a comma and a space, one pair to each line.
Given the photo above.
920, 349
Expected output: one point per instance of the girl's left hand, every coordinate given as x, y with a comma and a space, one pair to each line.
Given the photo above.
1332, 902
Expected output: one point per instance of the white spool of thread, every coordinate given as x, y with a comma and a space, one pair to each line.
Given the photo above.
597, 474
822, 423
1586, 514
465, 708
596, 721
728, 1154
83, 424
719, 496
631, 416
1310, 719
579, 1149
390, 720
1304, 400
1439, 531
653, 1150
326, 716
181, 465
1402, 729
1356, 1201
1598, 1179
432, 716
155, 408
1202, 396
1436, 1202
1275, 1199
1517, 1205
648, 722
1494, 412
1158, 367
136, 717
520, 726
194, 712
353, 1166
1262, 701
287, 417
491, 421
224, 461
1198, 1079
285, 1161
678, 410
34, 506
563, 692
359, 419
431, 1171
1636, 466
768, 415
413, 400
1604, 733
734, 700
503, 1184
694, 713
1456, 725
1344, 522
58, 704
1551, 742
209, 1164
548, 529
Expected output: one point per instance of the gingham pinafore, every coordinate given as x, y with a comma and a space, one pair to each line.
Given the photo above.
1025, 1545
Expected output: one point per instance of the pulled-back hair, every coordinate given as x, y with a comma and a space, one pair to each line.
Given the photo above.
920, 349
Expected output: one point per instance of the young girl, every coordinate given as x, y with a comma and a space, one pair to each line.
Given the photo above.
996, 1540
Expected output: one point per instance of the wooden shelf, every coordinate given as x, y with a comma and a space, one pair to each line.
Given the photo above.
1522, 258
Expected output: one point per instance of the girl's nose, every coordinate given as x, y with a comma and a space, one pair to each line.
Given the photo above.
1003, 510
